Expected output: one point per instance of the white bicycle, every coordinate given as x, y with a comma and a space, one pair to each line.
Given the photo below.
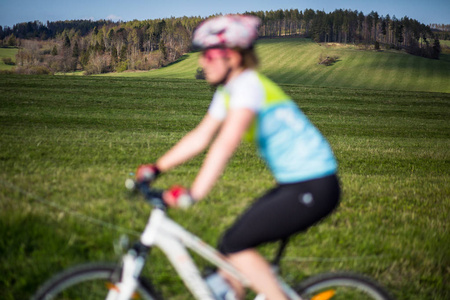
123, 281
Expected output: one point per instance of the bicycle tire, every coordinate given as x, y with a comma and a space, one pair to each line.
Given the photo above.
89, 281
343, 285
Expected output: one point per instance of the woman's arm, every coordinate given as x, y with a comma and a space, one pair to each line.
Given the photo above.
228, 139
190, 145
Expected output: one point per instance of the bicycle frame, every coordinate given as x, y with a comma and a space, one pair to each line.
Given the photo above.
174, 240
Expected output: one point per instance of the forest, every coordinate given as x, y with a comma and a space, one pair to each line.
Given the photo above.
105, 46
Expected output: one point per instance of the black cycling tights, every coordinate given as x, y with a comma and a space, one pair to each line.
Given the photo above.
283, 211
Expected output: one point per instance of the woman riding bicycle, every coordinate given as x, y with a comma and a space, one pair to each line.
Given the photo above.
248, 105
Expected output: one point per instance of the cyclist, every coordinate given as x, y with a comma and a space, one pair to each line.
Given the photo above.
246, 104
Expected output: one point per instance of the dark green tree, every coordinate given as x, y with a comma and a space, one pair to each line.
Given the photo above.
383, 27
123, 53
66, 41
75, 50
12, 42
110, 39
84, 58
114, 56
97, 47
163, 49
399, 33
200, 74
436, 49
377, 45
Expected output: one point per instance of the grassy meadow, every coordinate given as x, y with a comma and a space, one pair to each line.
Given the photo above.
295, 61
69, 142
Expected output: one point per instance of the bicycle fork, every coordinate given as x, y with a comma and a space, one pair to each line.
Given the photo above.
134, 261
132, 265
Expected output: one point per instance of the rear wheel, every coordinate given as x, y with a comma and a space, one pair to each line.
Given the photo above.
338, 286
90, 281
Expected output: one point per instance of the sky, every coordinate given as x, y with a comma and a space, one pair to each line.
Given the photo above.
17, 11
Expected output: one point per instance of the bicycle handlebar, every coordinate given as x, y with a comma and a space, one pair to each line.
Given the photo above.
152, 196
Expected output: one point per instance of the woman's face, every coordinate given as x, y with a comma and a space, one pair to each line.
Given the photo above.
215, 64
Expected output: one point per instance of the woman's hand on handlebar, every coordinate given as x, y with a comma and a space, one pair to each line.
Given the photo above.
178, 196
147, 173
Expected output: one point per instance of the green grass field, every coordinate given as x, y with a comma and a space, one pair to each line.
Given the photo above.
68, 143
7, 53
295, 61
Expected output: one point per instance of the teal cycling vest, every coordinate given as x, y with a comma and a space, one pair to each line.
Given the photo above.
292, 146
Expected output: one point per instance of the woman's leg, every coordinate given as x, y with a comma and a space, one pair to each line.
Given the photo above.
257, 270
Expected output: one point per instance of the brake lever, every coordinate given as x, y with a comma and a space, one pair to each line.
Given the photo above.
152, 196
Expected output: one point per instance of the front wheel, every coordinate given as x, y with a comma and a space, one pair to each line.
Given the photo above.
336, 286
89, 281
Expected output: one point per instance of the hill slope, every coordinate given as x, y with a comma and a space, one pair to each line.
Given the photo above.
7, 53
295, 61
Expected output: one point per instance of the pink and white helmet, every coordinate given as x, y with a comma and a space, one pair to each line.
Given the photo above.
229, 31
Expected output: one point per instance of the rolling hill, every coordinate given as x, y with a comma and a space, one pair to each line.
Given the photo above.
295, 61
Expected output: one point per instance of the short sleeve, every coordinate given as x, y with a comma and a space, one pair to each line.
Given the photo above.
247, 92
217, 108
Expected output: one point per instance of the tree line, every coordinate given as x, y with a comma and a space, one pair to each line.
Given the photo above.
442, 31
347, 26
50, 30
104, 46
